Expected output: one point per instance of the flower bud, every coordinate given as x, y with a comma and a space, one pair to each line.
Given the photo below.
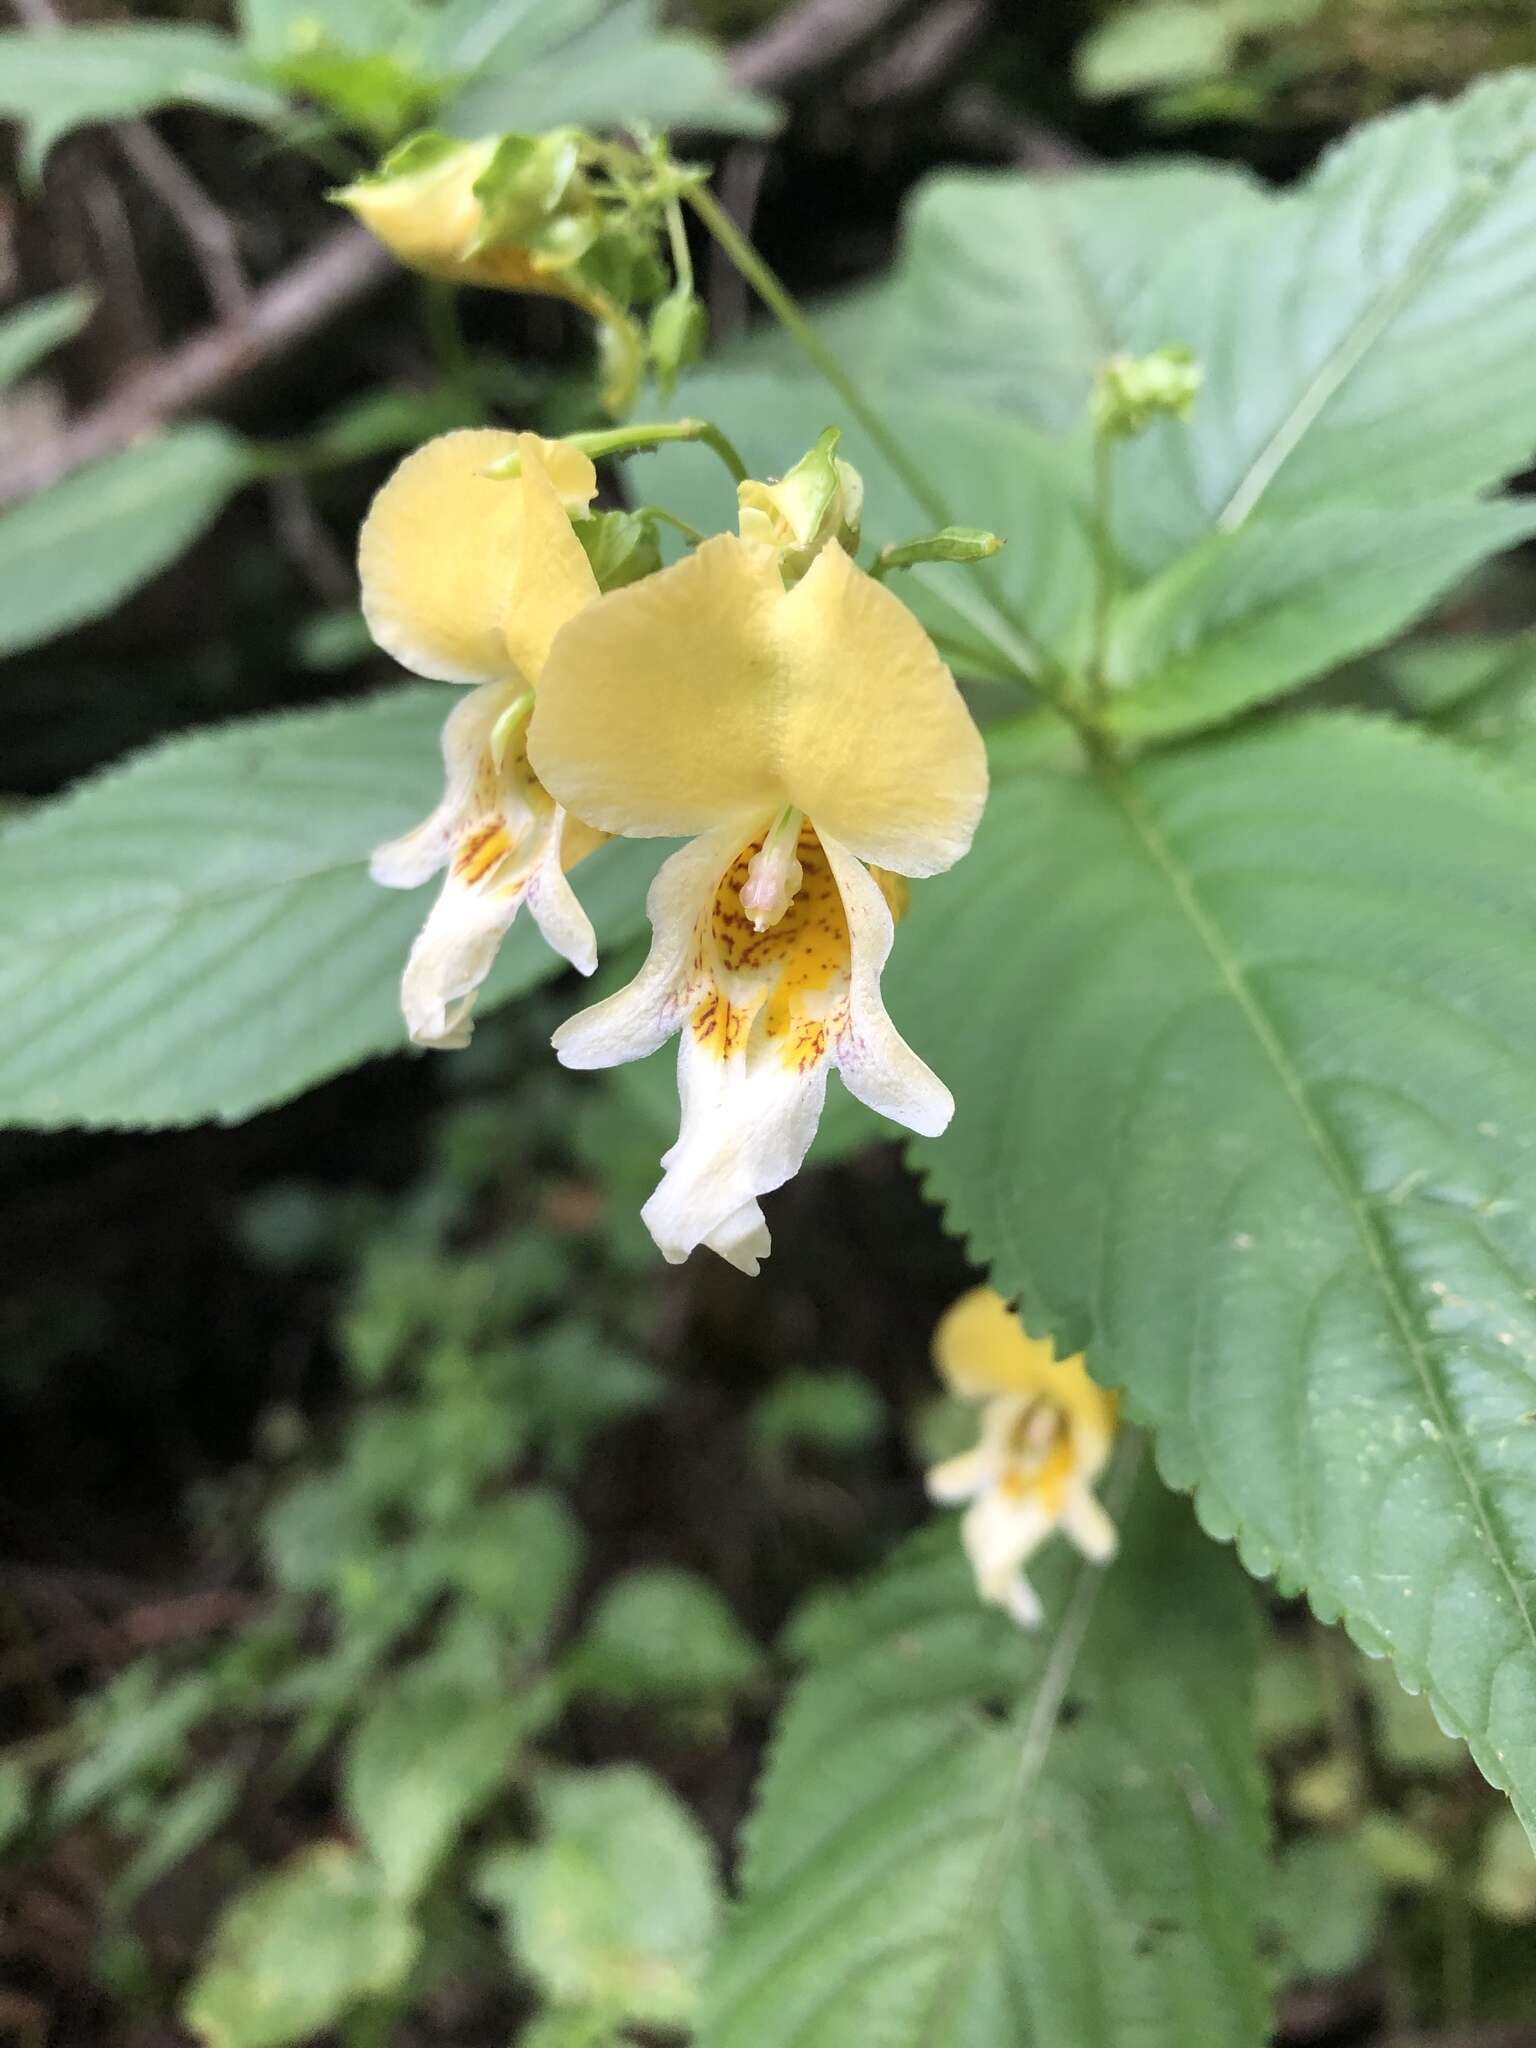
1132, 391
820, 499
479, 212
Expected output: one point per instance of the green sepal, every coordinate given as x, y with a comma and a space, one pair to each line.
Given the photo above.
621, 546
530, 183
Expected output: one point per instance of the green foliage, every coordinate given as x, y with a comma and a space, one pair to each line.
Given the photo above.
56, 80
299, 1950
663, 1635
73, 552
970, 1834
1268, 1001
195, 933
614, 1910
1327, 1905
34, 331
1250, 614
15, 1803
422, 1762
837, 1413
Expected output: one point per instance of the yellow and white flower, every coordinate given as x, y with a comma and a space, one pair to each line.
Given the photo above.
813, 748
1046, 1433
466, 579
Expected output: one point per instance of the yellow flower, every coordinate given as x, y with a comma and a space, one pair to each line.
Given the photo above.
467, 580
804, 740
1046, 1432
424, 207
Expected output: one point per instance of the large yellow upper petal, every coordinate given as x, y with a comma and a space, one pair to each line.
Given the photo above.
982, 1348
554, 578
709, 691
441, 550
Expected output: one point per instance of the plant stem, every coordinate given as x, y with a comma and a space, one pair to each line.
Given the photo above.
691, 534
635, 440
1105, 572
777, 297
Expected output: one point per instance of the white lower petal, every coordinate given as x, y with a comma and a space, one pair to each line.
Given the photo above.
553, 906
747, 1125
960, 1478
1089, 1526
632, 1023
875, 1061
407, 862
454, 952
742, 1240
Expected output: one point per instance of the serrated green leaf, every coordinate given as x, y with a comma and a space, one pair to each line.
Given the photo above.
55, 80
194, 934
515, 1560
1364, 338
36, 330
177, 1827
1498, 715
621, 68
1158, 43
275, 29
420, 1765
663, 1634
73, 552
298, 1951
971, 1835
1249, 614
1260, 1136
615, 1908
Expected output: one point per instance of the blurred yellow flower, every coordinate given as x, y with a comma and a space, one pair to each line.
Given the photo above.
468, 580
1046, 1432
813, 748
424, 207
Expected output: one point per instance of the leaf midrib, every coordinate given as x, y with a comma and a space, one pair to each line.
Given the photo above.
1341, 362
1202, 922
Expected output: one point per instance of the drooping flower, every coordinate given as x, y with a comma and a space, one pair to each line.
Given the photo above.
813, 748
1046, 1432
467, 579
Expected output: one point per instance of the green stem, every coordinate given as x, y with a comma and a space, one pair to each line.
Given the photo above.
677, 236
1105, 572
635, 440
781, 303
691, 534
440, 313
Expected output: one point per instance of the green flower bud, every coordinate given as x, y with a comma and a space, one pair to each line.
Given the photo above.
1132, 391
820, 499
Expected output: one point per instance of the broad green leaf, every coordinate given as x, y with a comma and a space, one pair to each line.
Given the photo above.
622, 68
1249, 614
194, 934
1010, 291
54, 80
73, 552
1365, 338
515, 1561
1436, 672
1259, 1135
273, 30
420, 1765
298, 1951
972, 1837
615, 1908
998, 473
663, 1634
36, 330
1499, 716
